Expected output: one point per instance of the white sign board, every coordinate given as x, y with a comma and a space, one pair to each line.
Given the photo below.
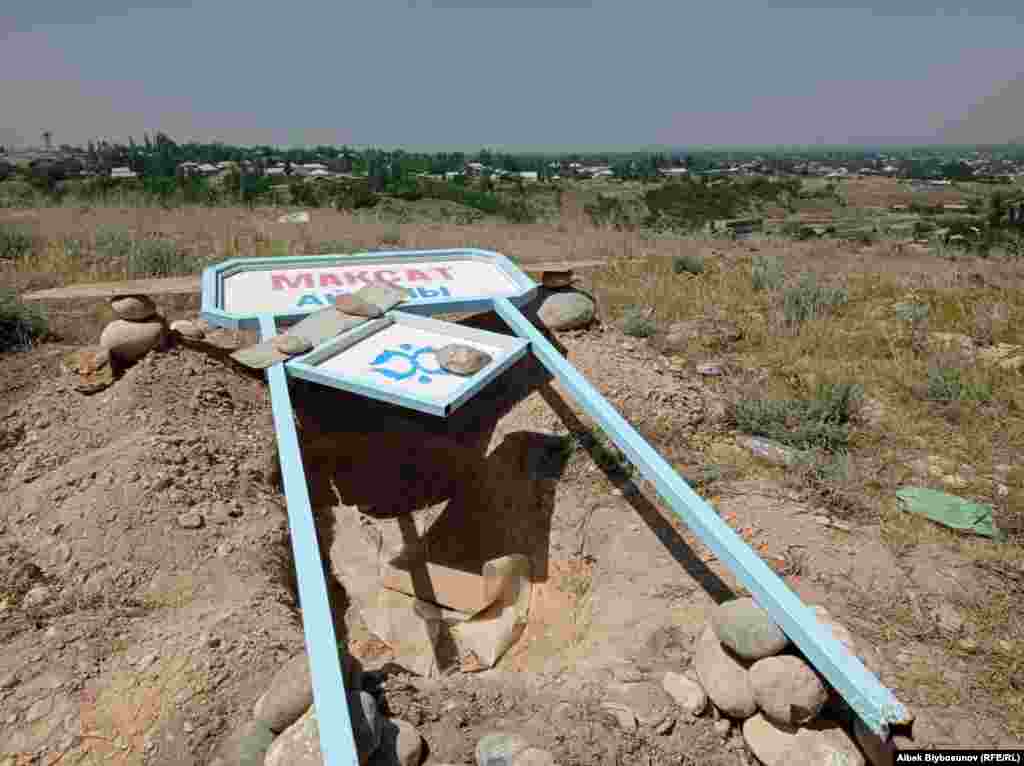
402, 358
304, 288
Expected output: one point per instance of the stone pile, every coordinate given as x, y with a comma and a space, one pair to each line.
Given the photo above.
560, 306
746, 665
137, 330
284, 730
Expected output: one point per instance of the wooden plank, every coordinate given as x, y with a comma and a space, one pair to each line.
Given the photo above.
166, 286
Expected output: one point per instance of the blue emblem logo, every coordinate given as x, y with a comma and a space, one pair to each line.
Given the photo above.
413, 360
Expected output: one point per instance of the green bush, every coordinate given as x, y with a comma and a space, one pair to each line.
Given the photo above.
809, 300
822, 422
946, 384
608, 211
15, 242
637, 324
767, 272
690, 263
113, 243
21, 324
336, 246
911, 312
157, 258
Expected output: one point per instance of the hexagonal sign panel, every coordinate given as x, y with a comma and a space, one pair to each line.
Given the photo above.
237, 292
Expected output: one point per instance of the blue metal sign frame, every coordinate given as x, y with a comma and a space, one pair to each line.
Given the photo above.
875, 704
214, 278
306, 366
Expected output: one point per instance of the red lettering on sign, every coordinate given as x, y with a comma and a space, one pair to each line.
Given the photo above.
353, 277
446, 271
415, 275
283, 282
330, 280
380, 275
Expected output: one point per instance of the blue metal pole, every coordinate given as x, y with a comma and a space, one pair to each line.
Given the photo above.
337, 744
874, 703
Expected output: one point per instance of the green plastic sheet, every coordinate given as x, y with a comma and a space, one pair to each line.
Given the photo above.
951, 511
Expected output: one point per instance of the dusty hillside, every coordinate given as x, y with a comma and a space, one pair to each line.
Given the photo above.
145, 578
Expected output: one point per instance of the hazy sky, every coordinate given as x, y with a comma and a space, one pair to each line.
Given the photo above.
440, 74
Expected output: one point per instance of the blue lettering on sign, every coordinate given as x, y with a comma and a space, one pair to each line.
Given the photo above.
425, 293
413, 359
307, 300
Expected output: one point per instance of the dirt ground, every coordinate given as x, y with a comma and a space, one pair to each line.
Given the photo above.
131, 637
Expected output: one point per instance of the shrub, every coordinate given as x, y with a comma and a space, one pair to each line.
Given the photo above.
767, 272
336, 246
691, 264
391, 236
809, 300
911, 313
637, 324
945, 384
20, 323
822, 422
113, 243
608, 211
604, 452
15, 242
157, 258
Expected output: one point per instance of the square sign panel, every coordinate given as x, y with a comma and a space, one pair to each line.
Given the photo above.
393, 359
236, 293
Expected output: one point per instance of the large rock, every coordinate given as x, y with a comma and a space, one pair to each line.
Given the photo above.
290, 693
724, 678
129, 341
247, 746
568, 310
134, 308
768, 741
400, 745
299, 744
499, 749
188, 329
747, 629
689, 695
787, 690
823, 744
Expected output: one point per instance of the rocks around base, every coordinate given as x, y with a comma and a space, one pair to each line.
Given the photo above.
247, 746
299, 744
565, 310
290, 693
130, 341
688, 694
747, 630
188, 330
768, 741
724, 677
499, 749
787, 690
133, 308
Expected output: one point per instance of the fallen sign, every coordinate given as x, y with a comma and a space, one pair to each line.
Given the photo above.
478, 280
